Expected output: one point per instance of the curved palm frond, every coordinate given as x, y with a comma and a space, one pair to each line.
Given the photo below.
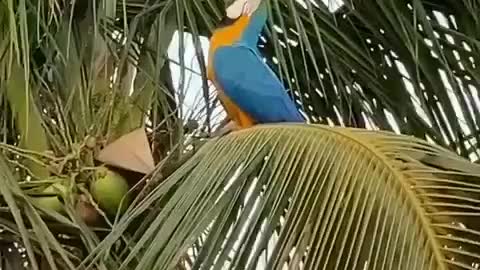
312, 197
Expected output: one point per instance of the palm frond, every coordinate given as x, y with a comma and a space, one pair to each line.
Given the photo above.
312, 197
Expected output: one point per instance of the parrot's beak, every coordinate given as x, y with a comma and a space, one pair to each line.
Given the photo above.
237, 9
233, 13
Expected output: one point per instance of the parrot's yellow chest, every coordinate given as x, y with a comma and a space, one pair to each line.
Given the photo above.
228, 36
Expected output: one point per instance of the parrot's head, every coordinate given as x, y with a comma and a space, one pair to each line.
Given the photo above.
236, 9
238, 14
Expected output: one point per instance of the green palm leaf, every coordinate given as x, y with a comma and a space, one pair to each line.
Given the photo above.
312, 197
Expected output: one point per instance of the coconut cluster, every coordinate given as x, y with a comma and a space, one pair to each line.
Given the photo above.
108, 188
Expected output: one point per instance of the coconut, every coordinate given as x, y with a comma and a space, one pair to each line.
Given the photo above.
108, 191
51, 201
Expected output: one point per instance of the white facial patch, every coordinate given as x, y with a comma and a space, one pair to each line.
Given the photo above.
236, 9
242, 7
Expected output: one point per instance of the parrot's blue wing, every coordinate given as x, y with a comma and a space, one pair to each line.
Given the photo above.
253, 86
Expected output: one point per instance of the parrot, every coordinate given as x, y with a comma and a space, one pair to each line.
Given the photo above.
247, 88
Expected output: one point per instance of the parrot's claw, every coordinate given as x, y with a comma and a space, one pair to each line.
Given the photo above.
228, 128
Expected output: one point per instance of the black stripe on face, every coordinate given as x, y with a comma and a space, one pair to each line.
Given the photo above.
226, 21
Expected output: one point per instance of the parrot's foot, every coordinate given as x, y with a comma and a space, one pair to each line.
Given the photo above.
226, 129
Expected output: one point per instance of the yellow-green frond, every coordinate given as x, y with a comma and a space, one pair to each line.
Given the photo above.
313, 197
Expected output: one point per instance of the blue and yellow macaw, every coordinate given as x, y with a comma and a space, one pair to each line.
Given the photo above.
248, 89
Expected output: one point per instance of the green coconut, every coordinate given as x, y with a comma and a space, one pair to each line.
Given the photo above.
51, 201
108, 191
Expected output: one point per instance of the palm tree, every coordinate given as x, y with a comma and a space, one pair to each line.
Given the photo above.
382, 177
